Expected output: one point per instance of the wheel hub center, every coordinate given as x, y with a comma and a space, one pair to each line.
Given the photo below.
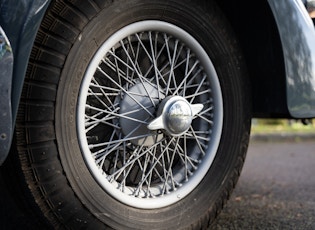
175, 115
137, 108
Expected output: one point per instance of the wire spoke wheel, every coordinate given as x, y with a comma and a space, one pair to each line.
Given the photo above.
147, 70
135, 114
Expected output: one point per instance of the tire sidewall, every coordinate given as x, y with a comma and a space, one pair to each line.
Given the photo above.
206, 196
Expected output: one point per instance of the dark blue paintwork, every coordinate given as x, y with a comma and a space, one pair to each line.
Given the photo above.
19, 20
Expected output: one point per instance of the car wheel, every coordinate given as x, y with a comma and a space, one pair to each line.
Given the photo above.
134, 115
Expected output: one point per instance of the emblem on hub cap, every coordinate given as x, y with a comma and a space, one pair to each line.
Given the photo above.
175, 115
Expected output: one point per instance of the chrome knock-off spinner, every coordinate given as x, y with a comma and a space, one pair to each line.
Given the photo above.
175, 115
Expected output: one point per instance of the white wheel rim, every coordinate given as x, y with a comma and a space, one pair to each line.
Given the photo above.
119, 96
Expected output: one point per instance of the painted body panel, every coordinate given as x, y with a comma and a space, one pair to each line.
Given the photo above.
6, 67
19, 20
298, 42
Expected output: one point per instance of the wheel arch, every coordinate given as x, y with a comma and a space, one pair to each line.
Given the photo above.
274, 49
256, 29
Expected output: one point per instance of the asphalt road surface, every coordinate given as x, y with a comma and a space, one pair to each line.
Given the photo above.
276, 190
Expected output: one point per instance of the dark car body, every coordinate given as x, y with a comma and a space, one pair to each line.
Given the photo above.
277, 37
103, 124
19, 22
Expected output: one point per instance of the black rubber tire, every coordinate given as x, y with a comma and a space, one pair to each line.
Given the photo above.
46, 136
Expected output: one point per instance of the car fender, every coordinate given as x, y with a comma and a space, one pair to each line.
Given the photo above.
17, 42
297, 36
